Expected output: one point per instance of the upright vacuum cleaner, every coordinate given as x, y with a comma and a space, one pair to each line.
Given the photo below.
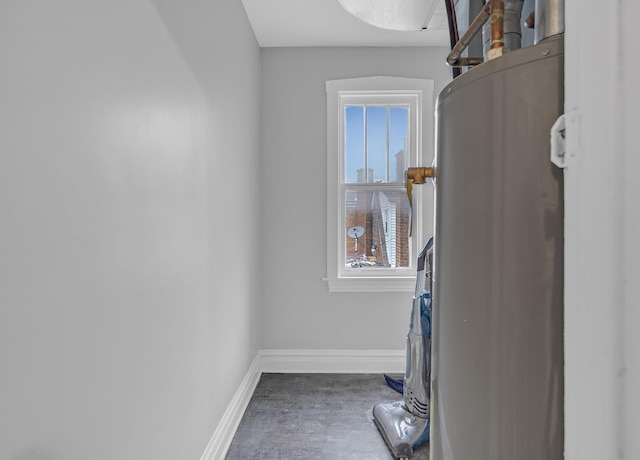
404, 424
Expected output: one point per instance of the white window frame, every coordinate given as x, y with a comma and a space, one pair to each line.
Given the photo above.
355, 90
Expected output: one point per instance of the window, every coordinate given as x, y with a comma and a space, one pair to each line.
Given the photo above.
376, 128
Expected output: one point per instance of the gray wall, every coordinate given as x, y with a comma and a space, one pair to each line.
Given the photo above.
126, 322
602, 224
298, 310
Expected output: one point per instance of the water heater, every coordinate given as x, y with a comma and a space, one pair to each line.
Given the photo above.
497, 350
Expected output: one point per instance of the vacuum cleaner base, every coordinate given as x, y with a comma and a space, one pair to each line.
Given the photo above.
401, 430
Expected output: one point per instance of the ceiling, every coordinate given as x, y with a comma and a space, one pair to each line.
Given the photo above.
284, 23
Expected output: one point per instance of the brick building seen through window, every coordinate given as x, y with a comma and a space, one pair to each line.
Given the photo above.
383, 217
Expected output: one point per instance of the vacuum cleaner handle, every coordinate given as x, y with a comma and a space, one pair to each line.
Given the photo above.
422, 258
422, 262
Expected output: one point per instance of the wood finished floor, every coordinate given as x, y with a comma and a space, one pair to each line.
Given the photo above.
315, 417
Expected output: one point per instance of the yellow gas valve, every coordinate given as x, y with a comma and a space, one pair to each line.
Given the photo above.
417, 175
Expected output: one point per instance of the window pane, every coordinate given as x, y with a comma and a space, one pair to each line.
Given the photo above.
354, 144
377, 144
377, 229
398, 139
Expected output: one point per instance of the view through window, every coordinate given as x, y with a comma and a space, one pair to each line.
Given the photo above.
377, 212
377, 127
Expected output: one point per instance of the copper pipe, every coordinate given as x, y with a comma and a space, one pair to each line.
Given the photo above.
416, 175
453, 59
497, 29
419, 174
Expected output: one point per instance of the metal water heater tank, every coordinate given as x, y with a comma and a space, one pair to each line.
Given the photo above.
497, 370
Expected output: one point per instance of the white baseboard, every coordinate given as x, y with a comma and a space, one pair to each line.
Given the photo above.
333, 361
297, 361
222, 437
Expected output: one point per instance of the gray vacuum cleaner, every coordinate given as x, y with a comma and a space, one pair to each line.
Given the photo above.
404, 424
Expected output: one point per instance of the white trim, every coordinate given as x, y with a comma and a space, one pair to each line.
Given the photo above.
222, 437
297, 361
422, 124
373, 284
333, 361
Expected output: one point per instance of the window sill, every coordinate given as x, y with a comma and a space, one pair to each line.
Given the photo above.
372, 284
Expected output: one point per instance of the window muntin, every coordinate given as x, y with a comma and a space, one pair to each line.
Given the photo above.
365, 181
376, 233
377, 145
